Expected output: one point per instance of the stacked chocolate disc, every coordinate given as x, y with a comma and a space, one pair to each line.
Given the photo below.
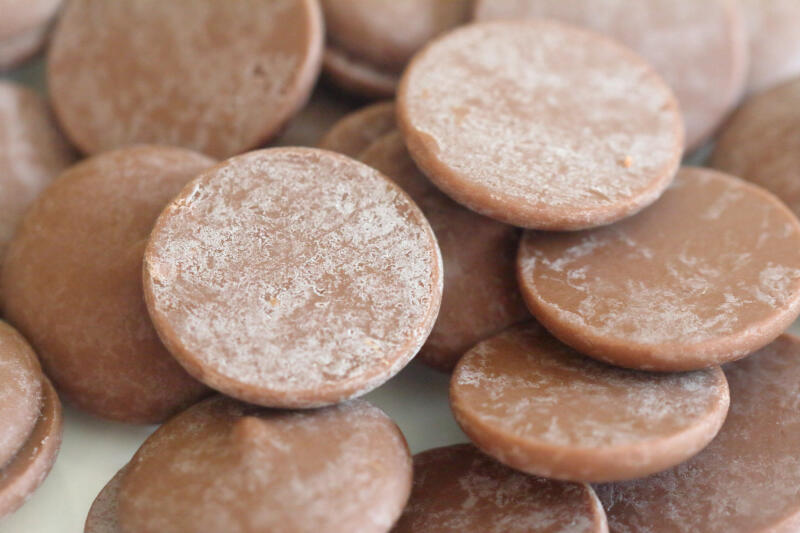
518, 215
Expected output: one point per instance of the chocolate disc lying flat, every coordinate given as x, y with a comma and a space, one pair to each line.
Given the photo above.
27, 470
746, 480
708, 274
72, 283
102, 517
357, 77
20, 392
540, 124
370, 41
480, 294
293, 277
174, 74
32, 153
699, 47
774, 41
459, 489
540, 407
226, 466
760, 143
355, 132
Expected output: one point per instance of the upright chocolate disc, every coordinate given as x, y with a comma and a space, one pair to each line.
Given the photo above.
293, 277
774, 29
747, 479
540, 407
217, 77
226, 466
370, 41
699, 47
20, 392
761, 143
458, 489
32, 153
72, 283
539, 124
102, 517
480, 295
30, 466
355, 132
708, 274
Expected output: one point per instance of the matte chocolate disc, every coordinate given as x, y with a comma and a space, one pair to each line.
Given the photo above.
708, 274
746, 480
699, 47
459, 489
72, 283
28, 469
539, 124
102, 516
761, 143
217, 77
355, 132
540, 407
480, 296
774, 30
20, 392
223, 466
32, 153
293, 277
20, 16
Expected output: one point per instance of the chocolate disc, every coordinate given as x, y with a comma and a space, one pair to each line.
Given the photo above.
28, 469
355, 132
218, 77
32, 153
20, 391
699, 47
540, 407
459, 489
72, 283
493, 124
102, 516
480, 294
760, 143
370, 41
357, 77
708, 274
225, 466
19, 49
293, 277
20, 16
746, 480
774, 29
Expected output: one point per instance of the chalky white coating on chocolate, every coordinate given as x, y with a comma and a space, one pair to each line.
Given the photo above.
21, 16
760, 142
354, 132
293, 277
175, 75
774, 41
746, 480
20, 392
226, 466
354, 76
459, 489
480, 296
700, 48
28, 469
32, 153
72, 283
540, 124
708, 274
539, 406
102, 516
